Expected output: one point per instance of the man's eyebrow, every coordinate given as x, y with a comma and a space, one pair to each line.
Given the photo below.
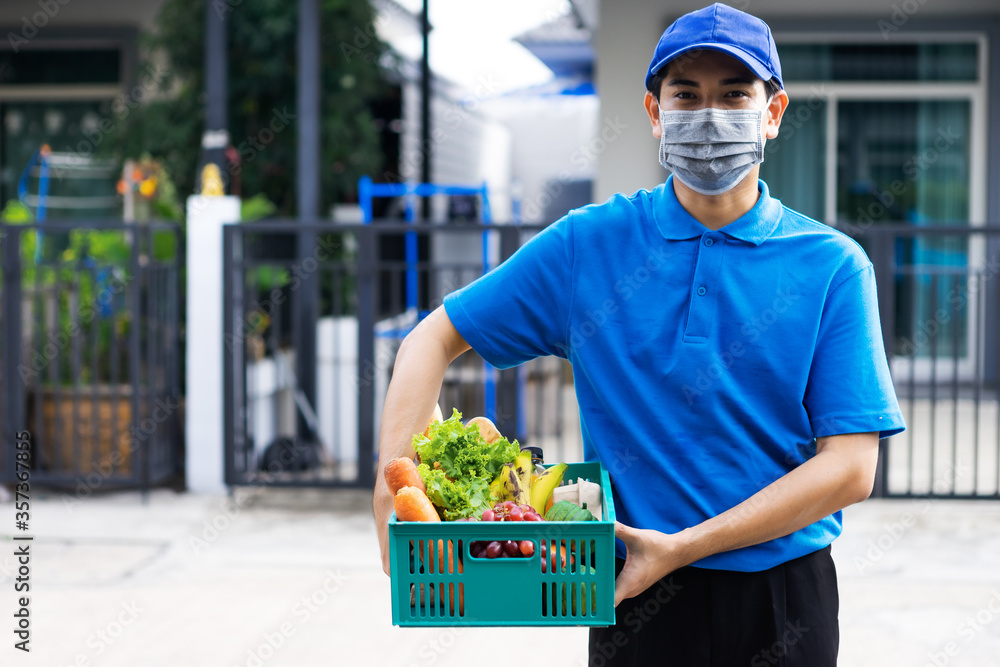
736, 80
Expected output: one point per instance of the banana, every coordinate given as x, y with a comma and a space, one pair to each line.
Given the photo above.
507, 486
543, 486
497, 488
514, 480
524, 468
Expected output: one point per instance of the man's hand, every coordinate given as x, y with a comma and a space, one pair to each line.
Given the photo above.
652, 555
383, 506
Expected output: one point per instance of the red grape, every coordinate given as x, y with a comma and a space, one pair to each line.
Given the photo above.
493, 550
527, 548
511, 548
516, 514
509, 504
531, 516
489, 515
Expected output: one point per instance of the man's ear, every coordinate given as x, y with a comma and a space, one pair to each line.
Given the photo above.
653, 111
776, 109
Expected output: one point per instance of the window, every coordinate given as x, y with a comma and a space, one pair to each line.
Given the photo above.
60, 98
891, 133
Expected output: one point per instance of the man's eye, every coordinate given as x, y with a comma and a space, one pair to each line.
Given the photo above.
738, 93
684, 95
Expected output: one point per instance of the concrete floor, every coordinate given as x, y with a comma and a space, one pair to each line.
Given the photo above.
291, 578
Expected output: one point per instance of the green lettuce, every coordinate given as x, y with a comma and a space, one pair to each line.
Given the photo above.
464, 497
457, 466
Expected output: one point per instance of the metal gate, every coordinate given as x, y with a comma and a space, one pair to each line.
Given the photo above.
91, 348
939, 303
282, 429
939, 308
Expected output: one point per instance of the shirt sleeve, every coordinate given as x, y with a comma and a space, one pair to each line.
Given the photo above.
520, 310
849, 388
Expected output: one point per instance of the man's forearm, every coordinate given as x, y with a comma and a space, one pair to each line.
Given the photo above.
839, 475
413, 392
417, 377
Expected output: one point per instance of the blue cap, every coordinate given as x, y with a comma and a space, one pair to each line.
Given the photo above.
720, 28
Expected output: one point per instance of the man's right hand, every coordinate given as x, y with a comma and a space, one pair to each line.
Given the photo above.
383, 507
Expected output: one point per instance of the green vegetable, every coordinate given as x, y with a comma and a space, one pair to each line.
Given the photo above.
466, 496
564, 510
457, 466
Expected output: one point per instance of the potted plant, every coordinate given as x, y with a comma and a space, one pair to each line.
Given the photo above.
76, 360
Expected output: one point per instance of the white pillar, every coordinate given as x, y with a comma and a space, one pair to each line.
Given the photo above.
204, 435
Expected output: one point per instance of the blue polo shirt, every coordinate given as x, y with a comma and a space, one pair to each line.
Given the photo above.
705, 362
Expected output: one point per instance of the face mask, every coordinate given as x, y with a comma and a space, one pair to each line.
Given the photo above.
711, 150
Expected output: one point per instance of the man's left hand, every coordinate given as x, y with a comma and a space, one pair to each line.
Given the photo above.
651, 556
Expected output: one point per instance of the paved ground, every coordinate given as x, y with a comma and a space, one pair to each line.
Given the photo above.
290, 578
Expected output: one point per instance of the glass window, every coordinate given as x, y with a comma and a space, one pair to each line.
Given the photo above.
879, 62
793, 166
60, 67
75, 128
908, 161
905, 161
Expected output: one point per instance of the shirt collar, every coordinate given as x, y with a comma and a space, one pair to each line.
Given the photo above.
676, 224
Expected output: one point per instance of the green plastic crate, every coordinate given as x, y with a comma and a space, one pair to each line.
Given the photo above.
429, 588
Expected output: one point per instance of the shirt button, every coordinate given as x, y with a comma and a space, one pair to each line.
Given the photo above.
709, 241
702, 291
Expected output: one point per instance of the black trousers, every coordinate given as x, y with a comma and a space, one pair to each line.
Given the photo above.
695, 617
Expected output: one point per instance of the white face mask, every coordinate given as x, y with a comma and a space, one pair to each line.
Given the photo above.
711, 150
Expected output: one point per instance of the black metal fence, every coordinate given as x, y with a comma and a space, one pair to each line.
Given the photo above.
939, 302
280, 431
90, 323
940, 312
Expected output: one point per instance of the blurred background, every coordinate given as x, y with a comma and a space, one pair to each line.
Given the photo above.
220, 218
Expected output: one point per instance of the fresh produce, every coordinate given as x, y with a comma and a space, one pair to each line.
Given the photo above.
579, 591
549, 557
506, 511
567, 511
582, 493
543, 486
514, 481
401, 472
412, 504
524, 467
436, 557
457, 465
435, 564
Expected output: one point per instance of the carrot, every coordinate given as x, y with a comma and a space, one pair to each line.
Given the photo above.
487, 429
451, 558
401, 472
412, 504
451, 570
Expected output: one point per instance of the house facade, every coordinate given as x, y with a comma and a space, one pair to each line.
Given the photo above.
893, 120
69, 72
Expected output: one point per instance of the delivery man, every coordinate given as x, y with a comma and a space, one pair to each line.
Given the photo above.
728, 364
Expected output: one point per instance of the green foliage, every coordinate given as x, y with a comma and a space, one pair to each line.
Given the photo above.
262, 96
457, 466
257, 207
16, 213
